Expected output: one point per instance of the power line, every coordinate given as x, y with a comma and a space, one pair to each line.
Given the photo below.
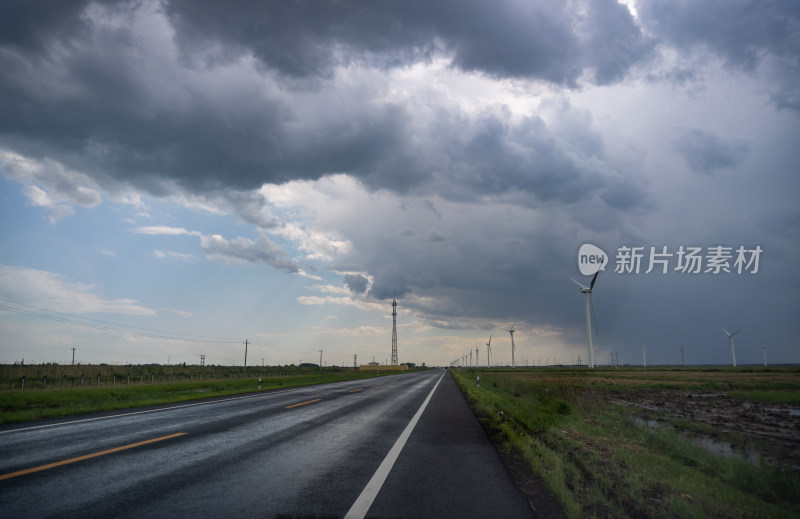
109, 326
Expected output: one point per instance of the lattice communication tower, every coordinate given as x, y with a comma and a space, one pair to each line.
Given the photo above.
394, 332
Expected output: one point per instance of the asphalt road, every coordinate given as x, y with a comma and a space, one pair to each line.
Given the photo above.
381, 447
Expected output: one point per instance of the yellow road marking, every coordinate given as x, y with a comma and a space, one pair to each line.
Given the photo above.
354, 390
86, 457
303, 403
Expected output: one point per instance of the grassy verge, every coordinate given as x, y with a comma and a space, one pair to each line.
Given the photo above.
599, 462
770, 397
18, 406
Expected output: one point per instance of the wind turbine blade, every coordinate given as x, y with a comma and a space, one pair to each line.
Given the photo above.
584, 287
737, 331
591, 285
594, 315
512, 325
726, 332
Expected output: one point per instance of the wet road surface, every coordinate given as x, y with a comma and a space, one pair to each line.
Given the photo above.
302, 452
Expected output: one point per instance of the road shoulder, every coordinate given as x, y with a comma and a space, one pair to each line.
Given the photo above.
449, 468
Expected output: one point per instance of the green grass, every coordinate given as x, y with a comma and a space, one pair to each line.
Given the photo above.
18, 406
598, 462
770, 397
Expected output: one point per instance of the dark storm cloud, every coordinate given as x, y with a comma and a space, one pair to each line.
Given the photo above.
100, 108
82, 85
96, 113
86, 86
746, 34
356, 283
262, 250
33, 25
527, 156
706, 153
542, 40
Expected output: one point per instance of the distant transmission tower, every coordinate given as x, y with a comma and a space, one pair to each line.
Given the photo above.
394, 332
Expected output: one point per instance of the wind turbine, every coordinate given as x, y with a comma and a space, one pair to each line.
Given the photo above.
489, 352
511, 331
730, 338
477, 357
587, 291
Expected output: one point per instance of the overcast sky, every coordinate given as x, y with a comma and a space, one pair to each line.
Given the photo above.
180, 176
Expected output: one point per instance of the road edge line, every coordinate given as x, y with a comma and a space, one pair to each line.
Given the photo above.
370, 492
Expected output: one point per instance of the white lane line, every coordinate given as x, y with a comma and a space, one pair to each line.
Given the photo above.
364, 501
264, 394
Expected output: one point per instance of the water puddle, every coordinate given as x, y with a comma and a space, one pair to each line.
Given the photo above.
650, 424
713, 446
726, 450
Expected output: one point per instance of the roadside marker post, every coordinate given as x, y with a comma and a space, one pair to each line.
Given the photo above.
259, 382
479, 381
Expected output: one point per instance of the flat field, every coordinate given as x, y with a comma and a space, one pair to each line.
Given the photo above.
661, 442
122, 387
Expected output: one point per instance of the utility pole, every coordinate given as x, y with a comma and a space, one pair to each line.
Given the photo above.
320, 360
73, 355
644, 355
683, 360
764, 352
245, 356
202, 360
355, 360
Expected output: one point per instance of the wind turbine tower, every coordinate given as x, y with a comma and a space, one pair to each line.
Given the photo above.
394, 332
511, 331
730, 339
489, 352
587, 291
477, 357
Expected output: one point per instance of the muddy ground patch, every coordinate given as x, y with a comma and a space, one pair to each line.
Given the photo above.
721, 422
